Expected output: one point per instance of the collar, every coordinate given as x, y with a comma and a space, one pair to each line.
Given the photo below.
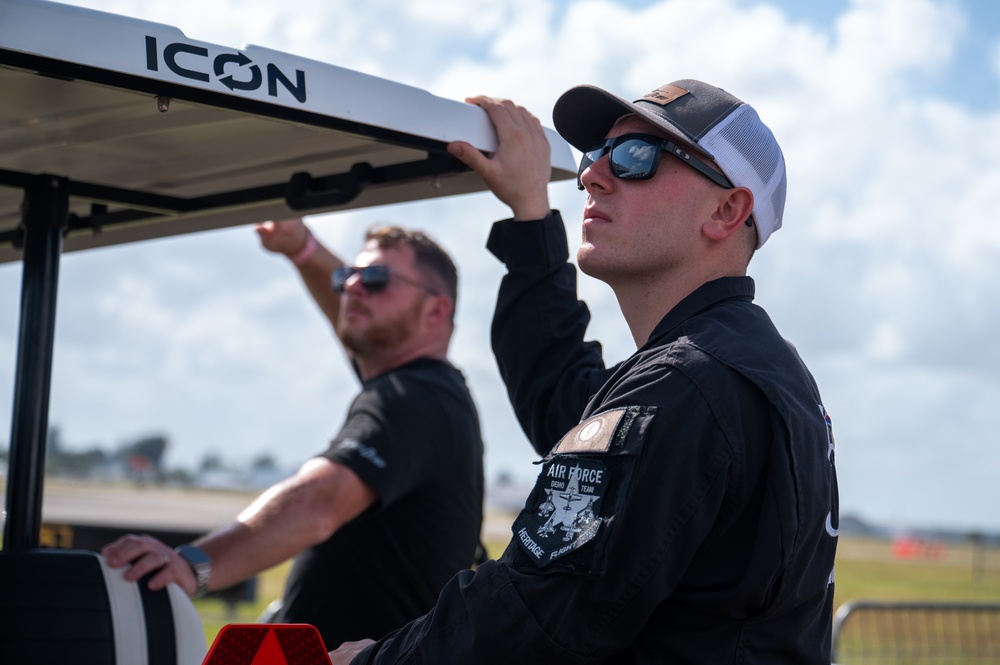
705, 296
415, 363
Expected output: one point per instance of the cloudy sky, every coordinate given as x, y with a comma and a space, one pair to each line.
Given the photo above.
886, 275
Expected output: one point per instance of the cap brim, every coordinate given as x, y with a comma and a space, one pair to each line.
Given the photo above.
585, 114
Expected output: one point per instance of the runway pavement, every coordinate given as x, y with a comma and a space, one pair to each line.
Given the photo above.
140, 506
158, 508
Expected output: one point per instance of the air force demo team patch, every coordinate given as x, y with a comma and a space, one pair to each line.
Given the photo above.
566, 502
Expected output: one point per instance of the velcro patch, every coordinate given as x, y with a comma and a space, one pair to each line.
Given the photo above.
664, 94
567, 515
593, 435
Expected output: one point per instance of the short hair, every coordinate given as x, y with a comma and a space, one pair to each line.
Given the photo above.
749, 239
432, 262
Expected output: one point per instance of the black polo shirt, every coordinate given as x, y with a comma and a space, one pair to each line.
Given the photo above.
412, 435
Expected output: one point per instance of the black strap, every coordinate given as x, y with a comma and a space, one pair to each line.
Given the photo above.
161, 645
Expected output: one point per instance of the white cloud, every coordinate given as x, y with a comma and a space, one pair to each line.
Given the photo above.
881, 39
884, 275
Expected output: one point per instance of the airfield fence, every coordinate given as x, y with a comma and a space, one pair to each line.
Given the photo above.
909, 633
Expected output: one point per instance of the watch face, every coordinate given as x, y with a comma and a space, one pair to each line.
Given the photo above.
194, 555
201, 565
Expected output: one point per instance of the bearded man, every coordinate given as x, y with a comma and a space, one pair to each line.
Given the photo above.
379, 521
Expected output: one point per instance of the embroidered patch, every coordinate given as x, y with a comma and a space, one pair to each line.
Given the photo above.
593, 435
566, 515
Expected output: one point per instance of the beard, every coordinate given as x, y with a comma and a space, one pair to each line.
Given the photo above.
380, 335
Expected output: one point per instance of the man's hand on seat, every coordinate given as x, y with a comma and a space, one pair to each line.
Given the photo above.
144, 555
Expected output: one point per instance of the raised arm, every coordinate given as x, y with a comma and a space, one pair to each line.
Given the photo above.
539, 324
518, 173
315, 263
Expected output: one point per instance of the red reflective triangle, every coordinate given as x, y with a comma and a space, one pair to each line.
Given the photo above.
270, 652
268, 644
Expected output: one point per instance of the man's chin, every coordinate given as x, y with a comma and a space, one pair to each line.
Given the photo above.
353, 340
588, 263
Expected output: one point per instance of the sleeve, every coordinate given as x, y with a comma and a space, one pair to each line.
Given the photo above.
388, 437
538, 330
654, 497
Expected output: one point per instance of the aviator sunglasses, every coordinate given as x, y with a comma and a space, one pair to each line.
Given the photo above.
373, 278
636, 156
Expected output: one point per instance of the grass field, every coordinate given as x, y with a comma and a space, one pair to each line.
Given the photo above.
866, 569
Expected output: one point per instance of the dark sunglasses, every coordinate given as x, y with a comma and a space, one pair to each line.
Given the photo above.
636, 156
373, 278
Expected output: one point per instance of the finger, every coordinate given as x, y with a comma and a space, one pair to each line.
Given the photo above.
175, 571
125, 549
479, 100
162, 573
502, 112
346, 652
501, 107
469, 155
513, 124
149, 562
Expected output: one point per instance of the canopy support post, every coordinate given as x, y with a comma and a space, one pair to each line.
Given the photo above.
44, 217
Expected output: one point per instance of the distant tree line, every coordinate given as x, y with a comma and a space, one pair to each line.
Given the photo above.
140, 459
137, 459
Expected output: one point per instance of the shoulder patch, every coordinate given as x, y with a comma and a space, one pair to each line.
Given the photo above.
566, 517
593, 435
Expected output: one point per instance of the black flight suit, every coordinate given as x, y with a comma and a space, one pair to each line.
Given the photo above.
686, 508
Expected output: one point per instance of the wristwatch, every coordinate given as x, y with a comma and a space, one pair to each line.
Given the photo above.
200, 563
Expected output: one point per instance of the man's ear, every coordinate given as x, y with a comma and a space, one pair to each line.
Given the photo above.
438, 310
733, 210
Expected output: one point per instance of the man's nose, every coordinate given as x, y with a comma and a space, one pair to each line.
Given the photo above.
354, 286
597, 175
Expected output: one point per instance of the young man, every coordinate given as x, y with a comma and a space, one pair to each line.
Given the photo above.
686, 507
393, 508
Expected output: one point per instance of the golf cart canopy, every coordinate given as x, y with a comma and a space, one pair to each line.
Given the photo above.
157, 134
115, 130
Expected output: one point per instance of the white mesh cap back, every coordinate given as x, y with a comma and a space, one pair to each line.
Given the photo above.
747, 153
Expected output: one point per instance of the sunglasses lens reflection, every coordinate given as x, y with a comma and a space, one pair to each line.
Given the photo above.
629, 157
634, 159
372, 278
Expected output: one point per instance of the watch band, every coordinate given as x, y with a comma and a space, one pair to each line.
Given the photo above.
201, 565
300, 257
